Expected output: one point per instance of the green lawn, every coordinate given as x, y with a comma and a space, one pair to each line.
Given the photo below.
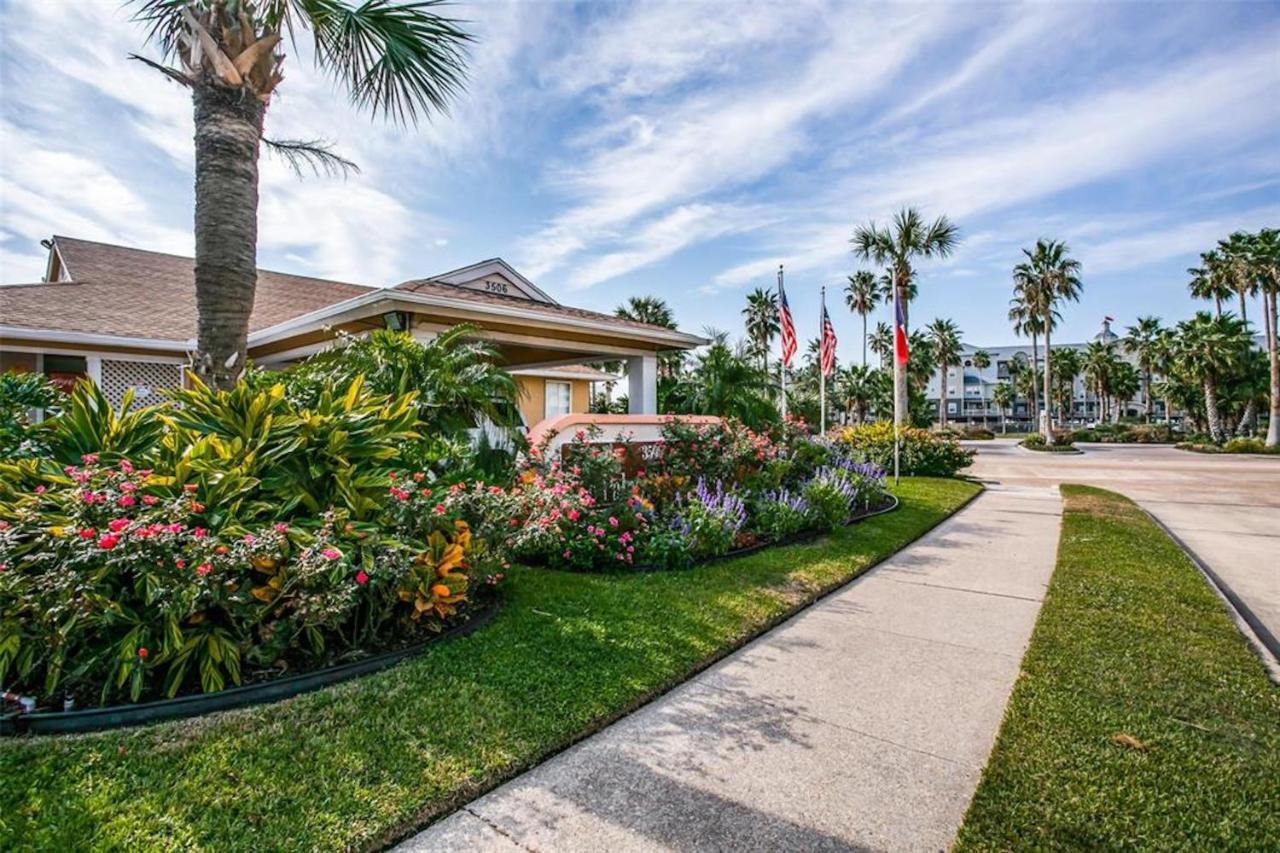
365, 762
1131, 644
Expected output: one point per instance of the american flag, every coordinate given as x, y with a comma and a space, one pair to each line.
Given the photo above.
900, 352
788, 327
828, 348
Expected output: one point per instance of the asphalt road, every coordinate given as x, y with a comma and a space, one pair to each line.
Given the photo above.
1224, 508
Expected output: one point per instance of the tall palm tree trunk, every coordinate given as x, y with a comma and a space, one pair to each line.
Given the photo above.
228, 126
1146, 394
942, 396
864, 340
1046, 420
1211, 409
1035, 369
1273, 353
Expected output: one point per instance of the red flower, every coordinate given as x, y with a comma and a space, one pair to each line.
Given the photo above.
108, 541
180, 563
142, 652
87, 533
439, 510
331, 554
127, 500
199, 532
362, 578
118, 524
197, 507
204, 569
190, 487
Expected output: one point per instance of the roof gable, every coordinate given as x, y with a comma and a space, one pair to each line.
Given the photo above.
495, 276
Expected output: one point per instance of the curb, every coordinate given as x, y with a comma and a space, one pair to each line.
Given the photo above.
1259, 637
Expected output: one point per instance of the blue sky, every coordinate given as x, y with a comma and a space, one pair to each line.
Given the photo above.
687, 149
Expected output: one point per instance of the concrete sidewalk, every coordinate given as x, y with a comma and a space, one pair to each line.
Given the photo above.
862, 723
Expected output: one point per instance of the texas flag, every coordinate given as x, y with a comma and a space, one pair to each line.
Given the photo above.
900, 352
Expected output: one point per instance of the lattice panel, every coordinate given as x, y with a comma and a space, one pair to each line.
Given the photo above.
145, 377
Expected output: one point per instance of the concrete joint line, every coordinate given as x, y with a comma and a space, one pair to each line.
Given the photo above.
965, 589
498, 829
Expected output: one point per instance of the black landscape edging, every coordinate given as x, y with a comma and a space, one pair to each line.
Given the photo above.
196, 704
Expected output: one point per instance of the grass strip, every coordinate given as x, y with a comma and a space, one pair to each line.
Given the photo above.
363, 763
1141, 719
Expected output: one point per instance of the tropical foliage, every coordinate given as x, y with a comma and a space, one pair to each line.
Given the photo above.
238, 534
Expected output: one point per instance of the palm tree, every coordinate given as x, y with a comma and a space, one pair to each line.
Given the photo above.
881, 342
1207, 348
402, 61
946, 353
1142, 340
1003, 396
762, 325
654, 311
1265, 255
725, 383
981, 360
1125, 382
1047, 276
856, 386
1209, 281
1066, 367
862, 294
897, 247
1027, 323
1096, 364
1163, 361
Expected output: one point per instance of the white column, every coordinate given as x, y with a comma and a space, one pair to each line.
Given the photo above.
642, 385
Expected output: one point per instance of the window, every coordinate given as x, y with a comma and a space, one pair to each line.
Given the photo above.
558, 396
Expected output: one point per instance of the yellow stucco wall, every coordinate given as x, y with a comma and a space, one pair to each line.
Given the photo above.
533, 396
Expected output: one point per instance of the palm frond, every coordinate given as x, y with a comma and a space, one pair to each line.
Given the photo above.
315, 155
402, 60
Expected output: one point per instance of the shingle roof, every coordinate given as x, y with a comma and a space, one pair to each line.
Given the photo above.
115, 290
528, 306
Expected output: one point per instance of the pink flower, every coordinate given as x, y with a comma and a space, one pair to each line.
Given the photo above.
126, 466
40, 490
108, 541
439, 510
391, 475
574, 515
249, 539
613, 522
128, 487
398, 494
127, 500
118, 524
89, 459
150, 500
180, 563
203, 569
175, 527
199, 532
87, 533
362, 578
190, 487
331, 554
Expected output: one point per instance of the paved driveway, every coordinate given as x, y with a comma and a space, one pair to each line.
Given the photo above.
1226, 509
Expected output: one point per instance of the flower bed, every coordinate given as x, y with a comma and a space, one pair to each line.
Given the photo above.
231, 541
923, 453
708, 490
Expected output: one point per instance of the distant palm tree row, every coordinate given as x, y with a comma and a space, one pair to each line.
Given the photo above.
1205, 367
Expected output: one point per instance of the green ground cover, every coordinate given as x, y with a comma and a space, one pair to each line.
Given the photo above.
1141, 720
362, 763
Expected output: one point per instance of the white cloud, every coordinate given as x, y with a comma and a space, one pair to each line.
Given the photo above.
711, 142
1208, 105
1133, 251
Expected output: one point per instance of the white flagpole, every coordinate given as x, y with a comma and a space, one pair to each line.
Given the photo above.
897, 444
822, 374
782, 362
